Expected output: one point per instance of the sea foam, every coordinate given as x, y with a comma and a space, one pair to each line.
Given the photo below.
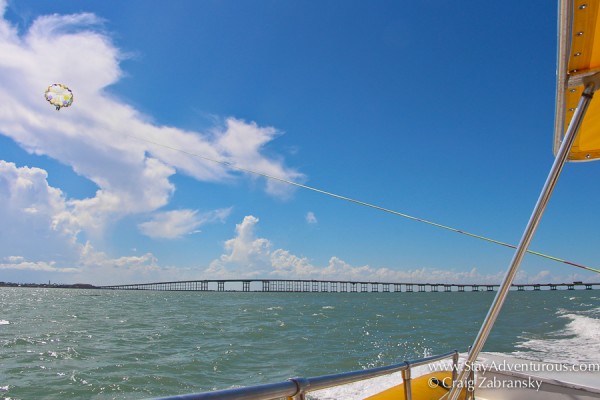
578, 342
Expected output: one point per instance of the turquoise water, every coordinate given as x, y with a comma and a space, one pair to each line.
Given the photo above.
67, 343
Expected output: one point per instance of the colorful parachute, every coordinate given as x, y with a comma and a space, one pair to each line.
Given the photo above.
59, 95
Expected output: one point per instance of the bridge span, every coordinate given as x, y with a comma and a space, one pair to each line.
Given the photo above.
296, 285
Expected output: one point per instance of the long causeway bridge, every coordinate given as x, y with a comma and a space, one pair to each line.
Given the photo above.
287, 285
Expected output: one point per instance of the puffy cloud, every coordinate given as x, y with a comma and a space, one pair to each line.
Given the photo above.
311, 218
248, 256
35, 217
39, 235
19, 263
245, 253
285, 264
100, 269
38, 231
177, 223
242, 143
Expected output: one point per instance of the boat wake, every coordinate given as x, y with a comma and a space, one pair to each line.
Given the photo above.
578, 342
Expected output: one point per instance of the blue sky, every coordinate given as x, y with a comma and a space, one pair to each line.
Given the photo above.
439, 110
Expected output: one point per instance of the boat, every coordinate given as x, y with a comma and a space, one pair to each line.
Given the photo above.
473, 374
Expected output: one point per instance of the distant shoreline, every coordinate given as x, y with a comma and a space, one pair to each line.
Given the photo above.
50, 285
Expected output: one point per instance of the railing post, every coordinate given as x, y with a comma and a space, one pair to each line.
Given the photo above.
471, 385
406, 379
454, 366
302, 385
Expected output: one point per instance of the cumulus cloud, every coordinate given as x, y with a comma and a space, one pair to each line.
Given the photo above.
177, 223
247, 255
98, 268
101, 269
35, 217
37, 234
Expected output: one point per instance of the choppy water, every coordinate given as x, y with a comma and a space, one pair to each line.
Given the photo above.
66, 343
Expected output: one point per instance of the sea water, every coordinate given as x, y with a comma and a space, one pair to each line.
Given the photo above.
69, 343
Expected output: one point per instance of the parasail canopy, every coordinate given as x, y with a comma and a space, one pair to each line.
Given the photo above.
59, 95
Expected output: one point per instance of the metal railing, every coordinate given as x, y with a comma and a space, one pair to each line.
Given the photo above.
296, 388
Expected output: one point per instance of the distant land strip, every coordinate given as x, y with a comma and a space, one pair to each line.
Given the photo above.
50, 285
312, 286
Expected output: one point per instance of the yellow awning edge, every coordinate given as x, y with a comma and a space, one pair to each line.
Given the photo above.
578, 57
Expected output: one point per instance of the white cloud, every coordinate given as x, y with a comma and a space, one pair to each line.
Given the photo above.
285, 264
177, 223
242, 142
38, 235
19, 263
34, 217
311, 218
248, 256
94, 135
245, 253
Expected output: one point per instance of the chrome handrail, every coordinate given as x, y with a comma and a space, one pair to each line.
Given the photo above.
296, 388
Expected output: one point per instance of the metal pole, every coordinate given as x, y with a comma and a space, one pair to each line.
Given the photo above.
406, 377
454, 366
536, 216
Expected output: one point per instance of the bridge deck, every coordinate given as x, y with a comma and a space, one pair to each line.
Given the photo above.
297, 285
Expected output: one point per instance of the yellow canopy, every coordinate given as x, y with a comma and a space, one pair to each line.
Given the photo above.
578, 57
